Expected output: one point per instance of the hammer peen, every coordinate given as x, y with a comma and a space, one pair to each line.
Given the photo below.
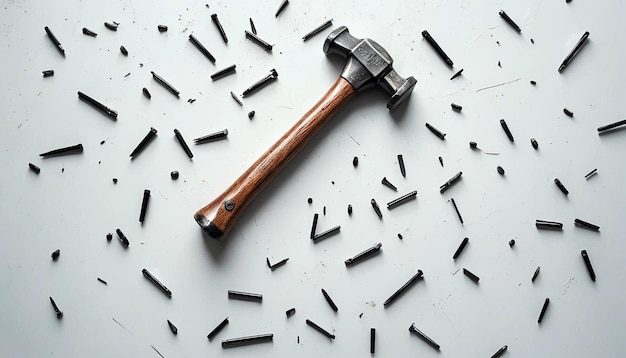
368, 64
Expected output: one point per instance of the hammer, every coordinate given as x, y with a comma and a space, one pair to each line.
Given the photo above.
368, 64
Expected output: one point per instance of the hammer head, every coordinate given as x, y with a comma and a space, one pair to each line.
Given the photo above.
368, 64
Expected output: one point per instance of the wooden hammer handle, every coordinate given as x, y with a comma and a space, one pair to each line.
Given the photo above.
218, 217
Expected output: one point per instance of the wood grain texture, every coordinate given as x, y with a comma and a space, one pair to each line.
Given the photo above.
215, 219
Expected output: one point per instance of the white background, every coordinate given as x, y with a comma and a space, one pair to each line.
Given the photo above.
72, 210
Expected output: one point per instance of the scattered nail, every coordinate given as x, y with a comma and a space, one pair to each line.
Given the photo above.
48, 73
234, 96
282, 7
568, 112
103, 281
471, 276
223, 73
144, 205
111, 26
456, 107
273, 75
172, 327
403, 289
431, 41
165, 84
548, 225
500, 352
245, 296
114, 180
376, 208
317, 30
244, 341
201, 48
447, 185
509, 21
252, 27
585, 256
608, 127
441, 161
251, 114
543, 310
122, 237
473, 145
162, 28
56, 308
586, 225
290, 312
424, 337
591, 173
97, 105
109, 237
511, 243
123, 50
534, 143
363, 255
144, 142
182, 143
223, 134
506, 129
326, 233
217, 329
157, 283
146, 93
309, 200
279, 264
314, 226
319, 329
436, 131
574, 52
401, 164
54, 40
329, 300
75, 149
257, 40
349, 209
500, 170
561, 187
456, 74
372, 340
55, 254
34, 168
217, 23
386, 183
399, 236
88, 32
535, 274
458, 213
355, 162
533, 83
458, 251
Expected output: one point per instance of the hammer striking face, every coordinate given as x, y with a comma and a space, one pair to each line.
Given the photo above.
367, 64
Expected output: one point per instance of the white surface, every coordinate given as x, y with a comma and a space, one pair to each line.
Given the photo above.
73, 210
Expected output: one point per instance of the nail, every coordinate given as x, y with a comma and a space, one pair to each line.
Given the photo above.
457, 210
172, 327
223, 134
290, 312
234, 96
75, 149
144, 205
349, 209
372, 340
500, 352
424, 337
111, 26
251, 114
376, 209
543, 310
162, 28
54, 40
146, 93
534, 143
174, 175
535, 274
262, 83
431, 41
561, 186
223, 73
278, 264
585, 256
244, 341
534, 83
317, 30
443, 188
472, 277
34, 168
257, 40
103, 281
460, 249
500, 170
355, 162
363, 255
401, 200
511, 243
201, 48
217, 23
320, 329
309, 200
326, 233
329, 300
56, 308
88, 32
611, 126
568, 112
156, 282
574, 52
97, 105
473, 145
182, 143
441, 161
386, 183
436, 132
114, 180
123, 50
122, 237
548, 225
586, 225
48, 73
164, 83
591, 173
401, 164
507, 130
144, 142
314, 226
509, 21
245, 296
252, 27
282, 7
403, 289
55, 254
324, 209
217, 329
109, 237
456, 107
456, 74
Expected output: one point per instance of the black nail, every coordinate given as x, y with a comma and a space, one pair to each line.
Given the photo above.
217, 23
473, 145
586, 225
102, 281
262, 83
460, 249
75, 149
56, 308
162, 28
372, 340
500, 352
574, 52
88, 32
511, 243
201, 48
329, 300
314, 226
585, 256
223, 73
34, 168
54, 40
55, 254
97, 105
109, 237
182, 143
48, 73
282, 7
401, 200
123, 50
122, 237
146, 93
349, 209
144, 205
355, 162
424, 337
327, 233
534, 143
431, 41
561, 187
320, 329
509, 21
456, 74
548, 225
535, 274
469, 274
318, 29
290, 312
447, 185
403, 289
456, 107
279, 264
386, 183
309, 200
252, 27
223, 134
441, 161
234, 96
376, 208
114, 180
506, 129
157, 283
244, 341
591, 173
164, 83
144, 142
568, 112
500, 170
251, 114
245, 296
174, 175
217, 329
324, 210
543, 310
110, 26
257, 40
172, 327
457, 210
611, 126
363, 255
436, 131
401, 164
534, 83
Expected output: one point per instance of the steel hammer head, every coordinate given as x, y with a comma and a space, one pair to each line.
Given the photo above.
368, 65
